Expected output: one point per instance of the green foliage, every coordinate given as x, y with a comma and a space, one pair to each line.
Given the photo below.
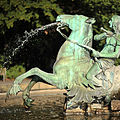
27, 10
1, 61
117, 61
15, 71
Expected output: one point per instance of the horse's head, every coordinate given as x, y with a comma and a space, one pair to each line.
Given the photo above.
75, 22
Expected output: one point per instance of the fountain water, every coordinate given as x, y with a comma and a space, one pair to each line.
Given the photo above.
26, 37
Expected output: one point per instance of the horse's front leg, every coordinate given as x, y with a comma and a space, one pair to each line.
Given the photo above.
15, 88
26, 93
48, 77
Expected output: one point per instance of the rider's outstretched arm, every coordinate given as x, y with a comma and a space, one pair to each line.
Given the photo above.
115, 54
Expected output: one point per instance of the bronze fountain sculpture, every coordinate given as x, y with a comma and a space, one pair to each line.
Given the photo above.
86, 79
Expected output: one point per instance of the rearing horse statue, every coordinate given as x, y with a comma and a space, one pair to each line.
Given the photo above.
72, 64
72, 61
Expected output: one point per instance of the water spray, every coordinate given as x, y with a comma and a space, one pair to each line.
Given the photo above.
27, 36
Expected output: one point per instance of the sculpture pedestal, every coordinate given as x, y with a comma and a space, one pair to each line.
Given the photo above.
77, 111
96, 108
92, 109
115, 107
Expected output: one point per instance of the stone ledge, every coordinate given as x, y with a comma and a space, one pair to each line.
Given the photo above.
4, 86
97, 109
115, 105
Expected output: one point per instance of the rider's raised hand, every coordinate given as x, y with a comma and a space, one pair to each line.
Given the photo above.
108, 33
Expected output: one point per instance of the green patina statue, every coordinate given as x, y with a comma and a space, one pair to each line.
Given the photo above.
85, 79
111, 49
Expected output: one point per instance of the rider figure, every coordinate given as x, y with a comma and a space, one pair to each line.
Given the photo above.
111, 50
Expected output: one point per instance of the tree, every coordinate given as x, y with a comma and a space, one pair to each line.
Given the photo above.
34, 11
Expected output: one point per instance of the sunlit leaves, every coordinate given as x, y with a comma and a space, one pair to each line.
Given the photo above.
28, 10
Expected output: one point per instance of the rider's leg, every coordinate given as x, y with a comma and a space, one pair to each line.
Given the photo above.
93, 71
89, 79
26, 93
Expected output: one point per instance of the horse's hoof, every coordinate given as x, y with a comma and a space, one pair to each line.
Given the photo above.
72, 105
27, 103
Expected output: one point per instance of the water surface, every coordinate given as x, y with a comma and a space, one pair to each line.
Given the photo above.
44, 108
